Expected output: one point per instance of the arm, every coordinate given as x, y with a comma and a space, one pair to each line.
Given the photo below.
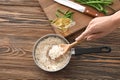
116, 18
101, 26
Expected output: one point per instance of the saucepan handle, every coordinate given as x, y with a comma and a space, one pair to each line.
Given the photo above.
103, 49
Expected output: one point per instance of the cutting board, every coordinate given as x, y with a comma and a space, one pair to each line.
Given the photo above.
82, 20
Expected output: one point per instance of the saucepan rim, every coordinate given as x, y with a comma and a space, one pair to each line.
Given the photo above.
42, 38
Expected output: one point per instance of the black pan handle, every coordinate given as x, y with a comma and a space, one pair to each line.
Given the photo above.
103, 49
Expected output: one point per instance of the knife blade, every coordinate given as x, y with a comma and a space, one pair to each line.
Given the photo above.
79, 8
79, 51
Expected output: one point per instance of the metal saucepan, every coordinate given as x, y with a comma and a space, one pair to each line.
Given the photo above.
73, 51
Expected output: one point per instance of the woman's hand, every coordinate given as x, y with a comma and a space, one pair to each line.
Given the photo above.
100, 27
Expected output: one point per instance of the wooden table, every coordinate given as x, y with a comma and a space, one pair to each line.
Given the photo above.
23, 22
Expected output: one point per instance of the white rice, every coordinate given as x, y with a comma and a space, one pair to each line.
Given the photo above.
55, 52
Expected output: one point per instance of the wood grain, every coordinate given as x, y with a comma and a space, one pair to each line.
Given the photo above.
23, 22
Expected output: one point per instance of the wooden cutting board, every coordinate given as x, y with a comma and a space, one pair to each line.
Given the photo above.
50, 7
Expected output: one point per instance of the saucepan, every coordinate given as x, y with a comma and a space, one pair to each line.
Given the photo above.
43, 44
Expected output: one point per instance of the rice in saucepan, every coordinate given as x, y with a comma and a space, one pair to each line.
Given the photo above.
42, 58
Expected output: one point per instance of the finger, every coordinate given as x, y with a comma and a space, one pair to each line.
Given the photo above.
95, 36
83, 35
89, 30
91, 23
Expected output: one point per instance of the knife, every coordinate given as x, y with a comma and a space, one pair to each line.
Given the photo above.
79, 51
79, 8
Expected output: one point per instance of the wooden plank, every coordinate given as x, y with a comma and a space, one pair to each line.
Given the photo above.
19, 3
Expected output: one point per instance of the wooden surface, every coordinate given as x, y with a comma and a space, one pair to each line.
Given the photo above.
50, 7
23, 22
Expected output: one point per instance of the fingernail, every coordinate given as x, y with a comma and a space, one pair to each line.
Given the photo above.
76, 39
89, 39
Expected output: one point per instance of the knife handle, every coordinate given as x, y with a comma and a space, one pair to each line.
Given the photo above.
104, 49
93, 12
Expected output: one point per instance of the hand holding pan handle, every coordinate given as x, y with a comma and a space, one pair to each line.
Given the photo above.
103, 49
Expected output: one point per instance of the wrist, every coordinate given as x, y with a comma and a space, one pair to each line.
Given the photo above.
116, 19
